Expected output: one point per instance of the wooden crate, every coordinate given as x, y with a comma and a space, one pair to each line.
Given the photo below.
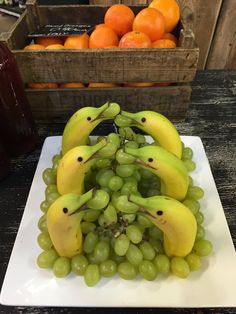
177, 66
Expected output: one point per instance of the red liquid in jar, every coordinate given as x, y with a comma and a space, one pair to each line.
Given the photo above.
17, 128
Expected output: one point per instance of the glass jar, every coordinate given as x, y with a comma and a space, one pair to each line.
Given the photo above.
17, 128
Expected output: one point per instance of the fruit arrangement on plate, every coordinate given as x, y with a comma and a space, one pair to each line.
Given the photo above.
121, 204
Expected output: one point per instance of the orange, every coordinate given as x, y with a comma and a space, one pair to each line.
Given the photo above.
151, 22
100, 25
141, 84
162, 84
46, 41
170, 10
120, 18
135, 40
101, 85
43, 85
103, 37
163, 43
71, 85
34, 47
55, 46
170, 37
110, 47
77, 42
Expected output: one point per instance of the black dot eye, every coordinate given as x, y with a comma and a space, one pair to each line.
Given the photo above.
80, 159
89, 118
159, 212
150, 159
143, 119
65, 210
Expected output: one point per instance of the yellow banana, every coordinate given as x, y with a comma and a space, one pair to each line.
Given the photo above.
175, 220
63, 222
159, 127
82, 123
73, 167
171, 170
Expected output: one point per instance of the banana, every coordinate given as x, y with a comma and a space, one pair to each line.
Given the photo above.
73, 167
159, 127
175, 220
171, 170
82, 123
63, 222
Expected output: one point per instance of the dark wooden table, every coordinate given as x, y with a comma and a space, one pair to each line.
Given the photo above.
212, 116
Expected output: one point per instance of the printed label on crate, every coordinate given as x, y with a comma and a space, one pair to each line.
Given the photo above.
62, 30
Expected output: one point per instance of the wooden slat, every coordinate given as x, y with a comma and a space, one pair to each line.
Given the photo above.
60, 104
104, 2
223, 50
115, 65
201, 16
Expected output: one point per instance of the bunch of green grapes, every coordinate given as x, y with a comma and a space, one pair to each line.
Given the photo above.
117, 239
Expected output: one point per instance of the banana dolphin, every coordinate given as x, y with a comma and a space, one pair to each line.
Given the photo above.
63, 221
82, 122
171, 170
175, 220
73, 167
159, 127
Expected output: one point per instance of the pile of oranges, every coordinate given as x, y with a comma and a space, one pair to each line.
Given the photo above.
150, 28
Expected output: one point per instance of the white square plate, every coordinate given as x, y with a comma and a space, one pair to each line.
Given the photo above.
213, 286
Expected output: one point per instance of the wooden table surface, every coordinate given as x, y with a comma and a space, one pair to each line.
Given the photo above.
212, 116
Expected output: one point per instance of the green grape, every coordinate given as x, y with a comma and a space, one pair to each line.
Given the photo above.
52, 197
51, 188
92, 275
44, 206
192, 204
146, 174
116, 258
179, 267
144, 184
99, 201
122, 121
55, 158
115, 183
131, 144
108, 150
110, 214
129, 188
140, 139
129, 218
112, 111
42, 223
87, 227
47, 258
90, 241
123, 158
189, 164
147, 270
125, 171
147, 250
144, 221
153, 192
134, 255
137, 225
79, 264
44, 241
202, 247
114, 138
102, 251
123, 205
91, 215
49, 176
195, 192
102, 221
56, 162
114, 198
199, 217
128, 133
155, 233
106, 177
183, 146
131, 179
61, 267
109, 191
162, 264
157, 245
155, 183
134, 234
91, 258
200, 232
121, 245
190, 181
102, 163
108, 268
187, 153
194, 261
126, 271
137, 175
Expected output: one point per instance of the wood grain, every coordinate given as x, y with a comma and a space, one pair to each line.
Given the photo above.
223, 49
